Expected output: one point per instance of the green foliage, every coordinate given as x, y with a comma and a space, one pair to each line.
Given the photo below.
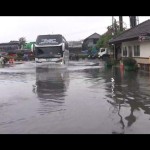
128, 61
22, 42
20, 54
90, 48
103, 41
111, 62
83, 56
111, 32
131, 68
130, 64
115, 62
108, 63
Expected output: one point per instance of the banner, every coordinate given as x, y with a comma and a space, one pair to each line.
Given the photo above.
144, 38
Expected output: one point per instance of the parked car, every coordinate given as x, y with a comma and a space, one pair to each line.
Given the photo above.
3, 54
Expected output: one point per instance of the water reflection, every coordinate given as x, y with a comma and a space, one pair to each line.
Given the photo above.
50, 87
126, 95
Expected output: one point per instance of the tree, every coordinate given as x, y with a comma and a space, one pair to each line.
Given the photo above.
112, 31
22, 42
103, 41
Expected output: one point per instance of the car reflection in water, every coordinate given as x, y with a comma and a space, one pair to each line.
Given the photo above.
50, 87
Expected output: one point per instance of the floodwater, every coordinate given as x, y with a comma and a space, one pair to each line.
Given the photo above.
86, 98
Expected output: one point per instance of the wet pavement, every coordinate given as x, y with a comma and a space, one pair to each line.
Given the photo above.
86, 98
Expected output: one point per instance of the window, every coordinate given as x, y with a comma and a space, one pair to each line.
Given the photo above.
124, 51
95, 41
49, 52
130, 51
103, 49
136, 50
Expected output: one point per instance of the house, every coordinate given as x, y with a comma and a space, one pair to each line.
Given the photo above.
12, 45
90, 41
134, 42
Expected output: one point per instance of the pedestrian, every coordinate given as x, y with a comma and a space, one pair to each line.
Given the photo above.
25, 57
2, 60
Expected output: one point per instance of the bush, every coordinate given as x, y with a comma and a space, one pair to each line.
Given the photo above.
130, 64
111, 62
129, 61
83, 56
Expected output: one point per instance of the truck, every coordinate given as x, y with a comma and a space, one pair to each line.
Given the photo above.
104, 53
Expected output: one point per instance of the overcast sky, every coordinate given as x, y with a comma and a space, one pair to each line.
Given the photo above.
73, 28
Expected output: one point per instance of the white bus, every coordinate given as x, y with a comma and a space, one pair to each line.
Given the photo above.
51, 49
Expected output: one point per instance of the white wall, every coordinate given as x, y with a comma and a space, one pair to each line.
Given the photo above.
144, 48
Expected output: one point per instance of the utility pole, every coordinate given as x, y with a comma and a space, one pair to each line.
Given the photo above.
115, 27
112, 20
121, 23
112, 25
133, 21
137, 20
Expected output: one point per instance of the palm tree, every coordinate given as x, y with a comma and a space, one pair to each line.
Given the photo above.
22, 42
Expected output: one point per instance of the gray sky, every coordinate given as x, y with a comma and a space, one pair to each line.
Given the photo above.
73, 28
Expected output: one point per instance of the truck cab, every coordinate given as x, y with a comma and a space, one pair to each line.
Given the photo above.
103, 52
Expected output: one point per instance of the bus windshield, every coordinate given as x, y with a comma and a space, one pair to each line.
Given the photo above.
49, 52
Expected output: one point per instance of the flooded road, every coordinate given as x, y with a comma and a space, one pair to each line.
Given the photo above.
84, 99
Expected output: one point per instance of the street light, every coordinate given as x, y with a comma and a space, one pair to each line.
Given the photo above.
113, 50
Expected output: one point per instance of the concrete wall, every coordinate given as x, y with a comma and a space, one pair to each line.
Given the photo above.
145, 49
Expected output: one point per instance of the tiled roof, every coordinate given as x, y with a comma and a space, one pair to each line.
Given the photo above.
10, 43
135, 32
93, 36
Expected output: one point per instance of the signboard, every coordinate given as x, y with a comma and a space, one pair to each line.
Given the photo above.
49, 39
144, 38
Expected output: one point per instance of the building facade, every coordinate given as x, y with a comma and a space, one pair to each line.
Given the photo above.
75, 47
10, 46
90, 41
134, 42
